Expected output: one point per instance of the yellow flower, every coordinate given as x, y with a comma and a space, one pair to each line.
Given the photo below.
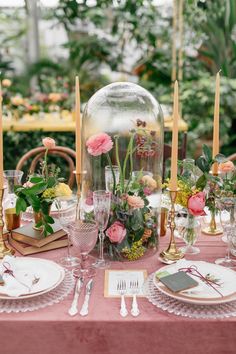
49, 193
63, 190
6, 83
17, 100
136, 251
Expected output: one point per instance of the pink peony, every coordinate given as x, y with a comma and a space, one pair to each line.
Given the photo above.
135, 202
116, 232
49, 143
196, 204
227, 166
99, 144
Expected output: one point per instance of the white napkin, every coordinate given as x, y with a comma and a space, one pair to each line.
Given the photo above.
20, 283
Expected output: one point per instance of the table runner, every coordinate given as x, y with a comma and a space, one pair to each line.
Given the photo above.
52, 330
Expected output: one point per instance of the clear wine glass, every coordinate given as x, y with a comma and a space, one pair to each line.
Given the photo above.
102, 204
84, 236
227, 218
67, 208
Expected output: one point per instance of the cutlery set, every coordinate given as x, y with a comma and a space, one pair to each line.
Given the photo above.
122, 289
73, 310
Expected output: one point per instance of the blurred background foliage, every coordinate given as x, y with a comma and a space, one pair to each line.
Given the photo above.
133, 39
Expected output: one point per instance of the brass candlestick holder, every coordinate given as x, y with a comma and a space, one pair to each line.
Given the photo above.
4, 250
172, 253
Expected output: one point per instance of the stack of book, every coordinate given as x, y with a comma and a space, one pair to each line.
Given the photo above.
27, 240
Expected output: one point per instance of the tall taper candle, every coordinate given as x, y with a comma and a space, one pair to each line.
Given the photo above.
216, 127
78, 126
1, 140
174, 147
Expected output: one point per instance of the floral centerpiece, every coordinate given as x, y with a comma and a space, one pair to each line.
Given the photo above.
41, 190
132, 226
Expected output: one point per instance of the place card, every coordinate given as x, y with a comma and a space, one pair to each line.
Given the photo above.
112, 278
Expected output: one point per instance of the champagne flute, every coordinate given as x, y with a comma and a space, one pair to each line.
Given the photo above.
67, 208
84, 236
227, 210
102, 204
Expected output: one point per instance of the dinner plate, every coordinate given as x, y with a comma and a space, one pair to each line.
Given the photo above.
48, 275
221, 290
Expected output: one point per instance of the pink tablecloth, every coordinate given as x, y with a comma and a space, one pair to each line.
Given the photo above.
103, 331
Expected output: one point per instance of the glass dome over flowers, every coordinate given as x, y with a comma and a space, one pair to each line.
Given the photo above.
122, 133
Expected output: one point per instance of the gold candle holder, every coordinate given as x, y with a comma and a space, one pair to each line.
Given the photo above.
4, 250
172, 253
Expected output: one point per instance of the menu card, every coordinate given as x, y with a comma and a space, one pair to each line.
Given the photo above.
112, 278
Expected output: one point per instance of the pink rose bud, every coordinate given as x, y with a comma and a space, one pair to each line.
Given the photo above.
116, 232
196, 204
28, 184
99, 144
227, 166
49, 143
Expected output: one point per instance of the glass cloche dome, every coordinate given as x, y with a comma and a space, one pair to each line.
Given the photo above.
122, 152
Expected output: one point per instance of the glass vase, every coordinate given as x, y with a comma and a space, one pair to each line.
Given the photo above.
127, 121
12, 220
190, 231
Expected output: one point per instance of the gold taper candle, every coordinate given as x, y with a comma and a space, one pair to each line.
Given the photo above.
174, 147
216, 127
78, 126
1, 140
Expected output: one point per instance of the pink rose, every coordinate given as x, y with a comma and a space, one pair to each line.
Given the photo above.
28, 184
99, 144
147, 191
196, 204
135, 202
116, 232
49, 143
227, 166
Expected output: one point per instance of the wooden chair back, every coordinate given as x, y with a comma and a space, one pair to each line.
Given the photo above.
37, 154
232, 157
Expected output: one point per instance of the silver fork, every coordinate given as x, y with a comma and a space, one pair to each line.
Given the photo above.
134, 288
121, 289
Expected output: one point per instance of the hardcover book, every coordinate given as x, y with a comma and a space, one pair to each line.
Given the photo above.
27, 234
25, 249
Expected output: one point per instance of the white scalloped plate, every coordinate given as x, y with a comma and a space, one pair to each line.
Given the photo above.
50, 275
203, 294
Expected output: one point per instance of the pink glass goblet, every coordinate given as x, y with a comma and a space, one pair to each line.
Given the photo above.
84, 237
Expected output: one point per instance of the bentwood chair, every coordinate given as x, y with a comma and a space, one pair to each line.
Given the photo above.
36, 156
181, 152
232, 157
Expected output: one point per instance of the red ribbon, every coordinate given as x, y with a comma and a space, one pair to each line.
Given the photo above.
194, 271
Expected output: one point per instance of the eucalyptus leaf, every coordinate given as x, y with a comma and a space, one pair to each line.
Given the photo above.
201, 182
48, 228
203, 164
49, 219
207, 152
36, 189
21, 205
36, 179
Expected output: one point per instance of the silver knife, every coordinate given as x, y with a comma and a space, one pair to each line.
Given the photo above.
73, 310
84, 309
